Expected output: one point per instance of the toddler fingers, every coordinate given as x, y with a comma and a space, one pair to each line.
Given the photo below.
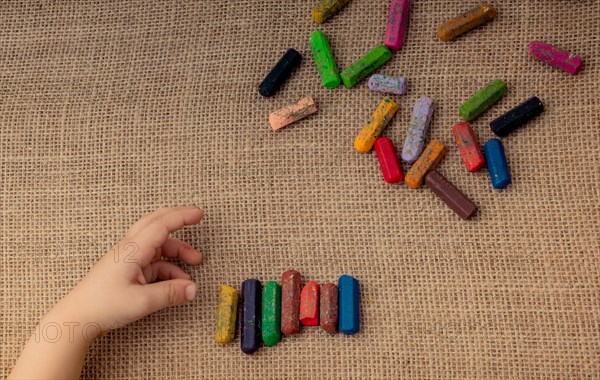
176, 249
155, 234
164, 270
160, 295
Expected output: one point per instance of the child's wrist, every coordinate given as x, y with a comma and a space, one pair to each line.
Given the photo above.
67, 322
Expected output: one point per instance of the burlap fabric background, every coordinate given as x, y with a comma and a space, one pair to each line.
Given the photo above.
111, 109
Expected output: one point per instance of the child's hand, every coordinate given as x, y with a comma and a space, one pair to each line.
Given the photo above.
131, 281
120, 289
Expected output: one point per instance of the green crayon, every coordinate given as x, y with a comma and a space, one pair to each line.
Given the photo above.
482, 100
330, 75
271, 313
366, 65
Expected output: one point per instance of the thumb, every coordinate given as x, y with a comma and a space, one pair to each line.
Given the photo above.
160, 295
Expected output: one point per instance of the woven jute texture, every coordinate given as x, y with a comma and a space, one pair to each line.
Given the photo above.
111, 109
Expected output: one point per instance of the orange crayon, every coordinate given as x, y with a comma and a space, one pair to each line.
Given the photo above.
429, 159
288, 115
467, 21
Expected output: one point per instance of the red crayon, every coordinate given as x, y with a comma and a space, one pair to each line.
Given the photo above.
388, 160
309, 304
467, 145
290, 302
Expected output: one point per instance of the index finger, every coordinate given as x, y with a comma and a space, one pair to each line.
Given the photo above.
147, 218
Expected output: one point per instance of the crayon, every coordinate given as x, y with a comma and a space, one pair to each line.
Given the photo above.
326, 66
365, 65
429, 159
467, 21
482, 100
271, 313
558, 58
349, 304
280, 73
371, 131
226, 314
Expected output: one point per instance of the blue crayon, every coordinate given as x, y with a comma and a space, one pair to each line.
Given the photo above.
349, 305
496, 163
251, 337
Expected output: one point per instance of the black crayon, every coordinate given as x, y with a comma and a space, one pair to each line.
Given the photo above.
280, 73
516, 117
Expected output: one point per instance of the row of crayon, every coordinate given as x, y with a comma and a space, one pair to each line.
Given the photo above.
270, 311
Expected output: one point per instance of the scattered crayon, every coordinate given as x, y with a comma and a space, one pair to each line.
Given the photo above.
447, 192
309, 304
326, 66
397, 22
226, 314
482, 100
497, 164
271, 313
561, 59
290, 302
328, 308
349, 305
388, 160
468, 146
518, 116
280, 73
384, 83
326, 9
365, 66
251, 305
292, 113
467, 21
429, 159
417, 129
371, 131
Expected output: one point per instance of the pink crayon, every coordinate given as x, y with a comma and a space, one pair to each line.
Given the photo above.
561, 59
396, 24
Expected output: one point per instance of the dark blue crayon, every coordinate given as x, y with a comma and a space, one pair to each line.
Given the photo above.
349, 305
496, 163
280, 73
251, 305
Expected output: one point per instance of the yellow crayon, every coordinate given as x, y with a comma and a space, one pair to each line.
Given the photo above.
371, 131
226, 314
428, 160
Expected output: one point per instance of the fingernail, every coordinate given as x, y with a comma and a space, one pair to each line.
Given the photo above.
190, 292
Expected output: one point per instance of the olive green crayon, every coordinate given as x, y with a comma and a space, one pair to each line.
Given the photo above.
271, 313
482, 100
328, 70
366, 65
326, 9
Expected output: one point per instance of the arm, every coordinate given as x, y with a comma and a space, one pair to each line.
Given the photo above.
121, 288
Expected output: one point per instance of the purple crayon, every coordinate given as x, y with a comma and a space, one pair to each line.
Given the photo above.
417, 129
561, 59
396, 24
384, 83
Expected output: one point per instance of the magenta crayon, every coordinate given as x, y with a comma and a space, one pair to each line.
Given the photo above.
396, 24
561, 59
